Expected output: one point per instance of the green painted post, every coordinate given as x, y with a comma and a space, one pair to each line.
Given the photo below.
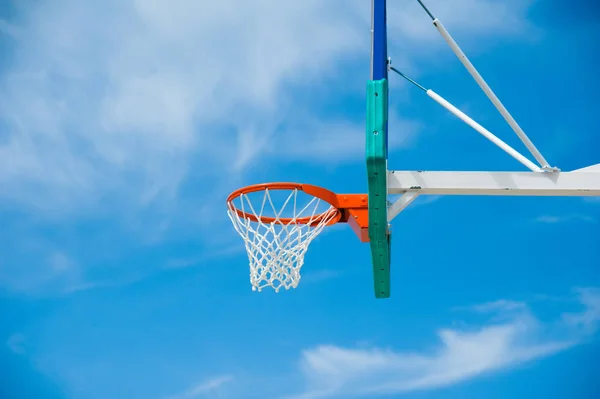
376, 154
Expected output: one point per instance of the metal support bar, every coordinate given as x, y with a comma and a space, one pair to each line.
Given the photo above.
486, 133
559, 184
400, 204
426, 9
462, 116
407, 78
491, 95
379, 58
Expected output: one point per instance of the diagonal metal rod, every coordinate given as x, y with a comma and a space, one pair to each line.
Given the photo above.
407, 78
426, 10
488, 91
476, 126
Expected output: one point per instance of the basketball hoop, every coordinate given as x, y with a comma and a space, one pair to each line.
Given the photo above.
278, 221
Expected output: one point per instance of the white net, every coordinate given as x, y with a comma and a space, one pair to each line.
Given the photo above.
276, 248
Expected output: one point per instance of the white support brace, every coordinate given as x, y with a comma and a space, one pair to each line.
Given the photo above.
483, 131
400, 204
583, 182
491, 95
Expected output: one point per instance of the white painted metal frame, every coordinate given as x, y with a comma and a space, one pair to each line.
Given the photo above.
579, 183
490, 94
544, 181
483, 131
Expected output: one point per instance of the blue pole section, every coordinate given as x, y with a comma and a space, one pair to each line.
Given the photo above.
379, 41
379, 56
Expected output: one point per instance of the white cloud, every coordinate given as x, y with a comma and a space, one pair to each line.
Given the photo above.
588, 321
181, 263
121, 113
333, 371
16, 343
108, 108
337, 141
60, 262
469, 21
204, 388
500, 306
551, 219
8, 29
55, 272
320, 275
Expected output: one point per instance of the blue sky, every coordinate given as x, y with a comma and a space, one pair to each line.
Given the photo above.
124, 124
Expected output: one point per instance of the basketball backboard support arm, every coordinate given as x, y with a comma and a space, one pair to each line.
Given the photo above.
578, 183
544, 181
487, 90
476, 126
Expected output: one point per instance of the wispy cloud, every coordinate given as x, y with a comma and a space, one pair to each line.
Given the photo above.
333, 371
122, 113
426, 200
484, 18
588, 321
182, 263
117, 123
55, 272
499, 306
16, 343
320, 275
204, 388
337, 141
549, 219
8, 29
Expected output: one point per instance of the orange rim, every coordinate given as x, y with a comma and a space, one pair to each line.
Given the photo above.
322, 193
